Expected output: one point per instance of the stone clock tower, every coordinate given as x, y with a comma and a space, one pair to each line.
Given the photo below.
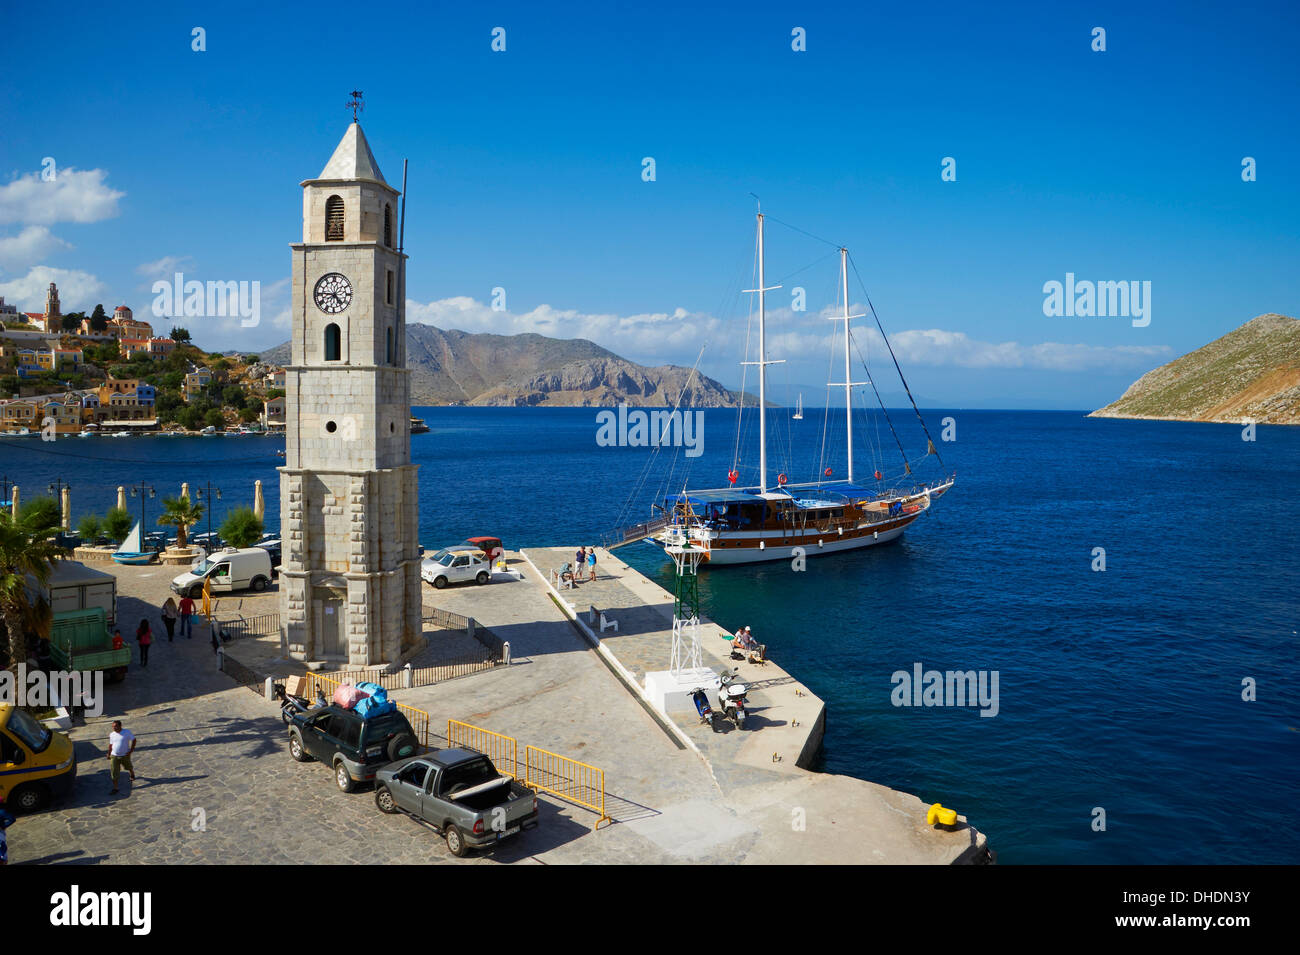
349, 581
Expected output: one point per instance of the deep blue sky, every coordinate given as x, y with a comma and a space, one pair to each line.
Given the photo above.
526, 169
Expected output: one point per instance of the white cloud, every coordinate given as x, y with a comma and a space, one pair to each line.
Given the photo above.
663, 337
165, 268
78, 291
74, 195
29, 247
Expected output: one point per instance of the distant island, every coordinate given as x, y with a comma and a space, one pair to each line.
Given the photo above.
453, 367
1252, 372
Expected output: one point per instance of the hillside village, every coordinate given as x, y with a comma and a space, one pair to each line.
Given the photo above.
94, 374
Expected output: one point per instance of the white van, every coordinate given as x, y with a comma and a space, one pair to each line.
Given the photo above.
248, 568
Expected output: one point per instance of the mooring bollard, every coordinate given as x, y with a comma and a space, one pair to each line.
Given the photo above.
505, 653
406, 676
270, 692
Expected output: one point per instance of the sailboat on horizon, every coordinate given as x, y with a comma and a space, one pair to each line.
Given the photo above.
798, 409
772, 520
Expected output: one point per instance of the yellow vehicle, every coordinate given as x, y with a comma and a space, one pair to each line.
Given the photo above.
37, 765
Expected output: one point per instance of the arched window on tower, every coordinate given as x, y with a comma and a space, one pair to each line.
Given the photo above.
334, 219
332, 342
389, 336
388, 225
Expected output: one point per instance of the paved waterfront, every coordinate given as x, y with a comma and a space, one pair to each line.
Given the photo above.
205, 745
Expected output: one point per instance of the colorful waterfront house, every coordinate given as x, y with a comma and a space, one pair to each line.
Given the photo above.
66, 412
18, 414
89, 405
145, 394
273, 414
196, 381
275, 379
117, 386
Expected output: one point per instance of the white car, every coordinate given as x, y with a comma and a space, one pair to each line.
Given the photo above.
455, 565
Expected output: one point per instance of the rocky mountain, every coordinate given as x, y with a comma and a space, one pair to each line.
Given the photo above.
455, 367
1252, 372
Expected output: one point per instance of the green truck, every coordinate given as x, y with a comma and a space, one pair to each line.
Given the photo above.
80, 640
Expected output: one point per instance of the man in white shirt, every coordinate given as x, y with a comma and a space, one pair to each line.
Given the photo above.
121, 744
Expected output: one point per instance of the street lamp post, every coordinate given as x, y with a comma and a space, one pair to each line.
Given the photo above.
139, 491
198, 495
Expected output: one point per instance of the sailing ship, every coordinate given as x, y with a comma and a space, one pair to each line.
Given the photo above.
798, 409
773, 520
130, 552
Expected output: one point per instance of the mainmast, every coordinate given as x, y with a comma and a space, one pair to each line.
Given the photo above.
848, 382
762, 362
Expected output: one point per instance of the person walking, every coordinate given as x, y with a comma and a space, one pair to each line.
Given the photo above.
121, 744
6, 820
144, 637
187, 613
591, 563
169, 615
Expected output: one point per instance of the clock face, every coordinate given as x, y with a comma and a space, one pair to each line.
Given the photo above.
333, 293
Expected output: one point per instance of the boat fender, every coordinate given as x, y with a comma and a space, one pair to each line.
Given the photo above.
877, 475
819, 542
875, 535
940, 816
762, 545
840, 531
732, 476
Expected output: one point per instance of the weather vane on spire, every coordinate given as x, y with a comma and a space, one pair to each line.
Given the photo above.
356, 104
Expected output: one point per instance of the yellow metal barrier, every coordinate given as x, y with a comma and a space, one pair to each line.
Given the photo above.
502, 750
541, 770
566, 778
418, 719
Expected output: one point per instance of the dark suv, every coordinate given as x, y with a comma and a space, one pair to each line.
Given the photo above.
353, 746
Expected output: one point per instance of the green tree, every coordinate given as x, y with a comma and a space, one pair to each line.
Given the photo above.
241, 528
179, 334
90, 527
215, 419
250, 413
182, 514
41, 510
118, 523
72, 321
26, 547
98, 320
233, 395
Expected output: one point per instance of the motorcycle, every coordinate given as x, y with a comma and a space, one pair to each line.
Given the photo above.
731, 697
701, 701
290, 704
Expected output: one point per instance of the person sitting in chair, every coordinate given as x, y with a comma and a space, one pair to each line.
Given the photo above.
566, 573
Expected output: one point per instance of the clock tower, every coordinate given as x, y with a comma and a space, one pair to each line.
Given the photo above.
349, 581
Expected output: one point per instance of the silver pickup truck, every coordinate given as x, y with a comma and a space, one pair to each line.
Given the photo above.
460, 794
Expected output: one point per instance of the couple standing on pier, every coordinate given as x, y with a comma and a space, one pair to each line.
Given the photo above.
586, 557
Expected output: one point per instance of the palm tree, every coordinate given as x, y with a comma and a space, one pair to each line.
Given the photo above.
27, 547
182, 514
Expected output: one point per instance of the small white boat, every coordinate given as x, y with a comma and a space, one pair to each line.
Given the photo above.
121, 434
86, 434
130, 552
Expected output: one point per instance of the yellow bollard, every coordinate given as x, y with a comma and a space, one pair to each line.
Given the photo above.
944, 817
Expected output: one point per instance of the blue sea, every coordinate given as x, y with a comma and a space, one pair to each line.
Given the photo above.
1120, 691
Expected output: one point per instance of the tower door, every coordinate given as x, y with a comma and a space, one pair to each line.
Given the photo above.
330, 642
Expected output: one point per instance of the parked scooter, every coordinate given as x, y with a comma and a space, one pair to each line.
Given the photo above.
701, 701
731, 697
290, 704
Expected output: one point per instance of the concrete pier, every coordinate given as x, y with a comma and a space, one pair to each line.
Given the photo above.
676, 792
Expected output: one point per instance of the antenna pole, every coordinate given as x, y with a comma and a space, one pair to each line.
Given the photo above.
401, 257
